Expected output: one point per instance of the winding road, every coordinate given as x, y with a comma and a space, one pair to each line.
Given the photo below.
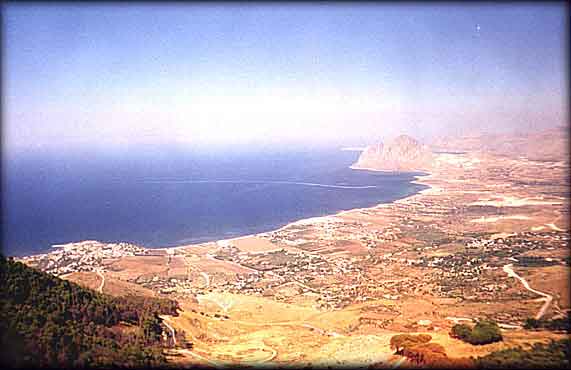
171, 329
272, 355
206, 279
213, 363
299, 284
321, 331
100, 273
224, 306
546, 297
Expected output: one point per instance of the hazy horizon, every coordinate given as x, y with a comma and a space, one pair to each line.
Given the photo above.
111, 76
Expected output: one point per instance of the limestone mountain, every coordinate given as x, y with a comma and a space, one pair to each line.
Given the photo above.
404, 153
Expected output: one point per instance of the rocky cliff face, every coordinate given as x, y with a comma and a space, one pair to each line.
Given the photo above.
402, 154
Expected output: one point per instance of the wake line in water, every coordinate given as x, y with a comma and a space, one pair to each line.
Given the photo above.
259, 182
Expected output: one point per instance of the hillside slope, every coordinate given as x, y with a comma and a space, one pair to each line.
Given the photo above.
49, 322
547, 145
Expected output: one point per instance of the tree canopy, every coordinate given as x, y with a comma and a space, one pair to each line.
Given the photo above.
553, 355
559, 324
50, 322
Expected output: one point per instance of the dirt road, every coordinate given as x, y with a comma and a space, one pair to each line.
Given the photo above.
206, 279
171, 329
546, 297
100, 273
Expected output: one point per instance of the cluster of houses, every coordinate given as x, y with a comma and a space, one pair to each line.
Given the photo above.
309, 272
472, 270
81, 256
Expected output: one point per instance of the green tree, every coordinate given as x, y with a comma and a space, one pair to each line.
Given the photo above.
48, 322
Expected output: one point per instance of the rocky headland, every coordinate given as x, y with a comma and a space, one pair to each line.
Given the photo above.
404, 153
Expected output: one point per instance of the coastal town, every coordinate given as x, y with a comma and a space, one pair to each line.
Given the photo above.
81, 256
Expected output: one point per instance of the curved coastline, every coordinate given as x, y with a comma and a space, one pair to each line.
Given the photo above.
215, 239
417, 180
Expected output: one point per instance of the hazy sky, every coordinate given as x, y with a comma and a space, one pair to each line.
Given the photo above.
195, 74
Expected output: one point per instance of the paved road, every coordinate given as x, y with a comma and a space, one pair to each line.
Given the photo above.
546, 297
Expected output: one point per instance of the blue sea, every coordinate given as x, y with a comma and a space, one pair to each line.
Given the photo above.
159, 198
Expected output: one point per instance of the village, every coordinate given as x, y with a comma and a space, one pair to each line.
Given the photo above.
81, 256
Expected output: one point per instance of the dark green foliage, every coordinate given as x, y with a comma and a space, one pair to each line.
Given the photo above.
554, 355
49, 322
535, 261
531, 323
461, 331
483, 332
561, 324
